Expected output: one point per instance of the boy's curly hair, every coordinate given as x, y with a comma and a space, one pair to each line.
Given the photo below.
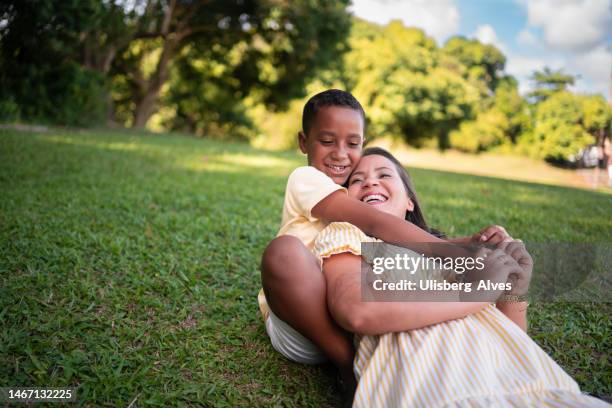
330, 97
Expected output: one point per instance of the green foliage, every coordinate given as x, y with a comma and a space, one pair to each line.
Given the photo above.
266, 48
558, 131
129, 268
487, 131
501, 124
548, 82
39, 76
395, 73
482, 62
510, 103
597, 113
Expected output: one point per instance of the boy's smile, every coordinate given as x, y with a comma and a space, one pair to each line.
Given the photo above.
334, 142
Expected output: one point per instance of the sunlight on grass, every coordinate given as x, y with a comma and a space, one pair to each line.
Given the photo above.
236, 163
76, 141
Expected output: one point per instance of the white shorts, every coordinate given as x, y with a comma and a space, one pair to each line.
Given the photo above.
291, 344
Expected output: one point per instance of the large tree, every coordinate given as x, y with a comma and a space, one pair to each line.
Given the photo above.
407, 87
275, 45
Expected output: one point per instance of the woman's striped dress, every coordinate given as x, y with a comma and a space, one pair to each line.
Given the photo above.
483, 360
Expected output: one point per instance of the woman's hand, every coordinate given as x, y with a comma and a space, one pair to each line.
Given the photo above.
498, 266
492, 235
521, 279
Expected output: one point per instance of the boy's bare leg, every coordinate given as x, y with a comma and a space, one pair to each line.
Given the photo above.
296, 292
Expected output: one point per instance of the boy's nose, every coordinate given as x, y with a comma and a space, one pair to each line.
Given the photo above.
340, 153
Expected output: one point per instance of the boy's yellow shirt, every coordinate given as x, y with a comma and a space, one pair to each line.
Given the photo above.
306, 187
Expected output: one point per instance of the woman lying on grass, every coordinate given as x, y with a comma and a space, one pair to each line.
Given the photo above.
415, 354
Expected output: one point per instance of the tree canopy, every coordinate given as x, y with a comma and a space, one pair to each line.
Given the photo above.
271, 48
243, 68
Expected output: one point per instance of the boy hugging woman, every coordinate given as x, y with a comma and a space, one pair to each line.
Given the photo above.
392, 354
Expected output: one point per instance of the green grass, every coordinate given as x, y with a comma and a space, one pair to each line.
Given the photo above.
129, 268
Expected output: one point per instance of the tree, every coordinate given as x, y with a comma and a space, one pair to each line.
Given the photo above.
275, 46
559, 131
40, 73
548, 82
481, 62
488, 130
396, 73
597, 119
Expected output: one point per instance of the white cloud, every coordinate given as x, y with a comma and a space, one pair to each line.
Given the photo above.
571, 24
594, 68
526, 37
487, 35
439, 18
522, 68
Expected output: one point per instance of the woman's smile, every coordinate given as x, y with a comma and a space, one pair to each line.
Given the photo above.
374, 198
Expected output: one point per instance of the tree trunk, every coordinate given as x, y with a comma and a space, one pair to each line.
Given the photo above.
145, 107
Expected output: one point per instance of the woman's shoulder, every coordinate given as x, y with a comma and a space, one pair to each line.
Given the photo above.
340, 237
343, 230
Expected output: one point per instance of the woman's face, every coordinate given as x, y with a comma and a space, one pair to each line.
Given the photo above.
376, 182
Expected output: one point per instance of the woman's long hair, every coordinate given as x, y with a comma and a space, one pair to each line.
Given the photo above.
416, 215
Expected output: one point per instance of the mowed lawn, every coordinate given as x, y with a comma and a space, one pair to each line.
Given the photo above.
129, 268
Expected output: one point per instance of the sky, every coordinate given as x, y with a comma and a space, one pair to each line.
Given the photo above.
572, 35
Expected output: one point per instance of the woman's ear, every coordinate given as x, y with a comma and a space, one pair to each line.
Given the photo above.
410, 206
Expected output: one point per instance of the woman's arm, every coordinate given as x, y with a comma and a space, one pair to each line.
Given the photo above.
515, 311
343, 276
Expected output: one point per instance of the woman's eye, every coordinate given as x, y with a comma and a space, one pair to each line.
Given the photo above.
353, 181
385, 175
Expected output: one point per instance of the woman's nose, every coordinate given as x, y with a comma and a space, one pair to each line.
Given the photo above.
370, 181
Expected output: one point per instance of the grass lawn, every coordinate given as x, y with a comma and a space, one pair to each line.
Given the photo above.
129, 268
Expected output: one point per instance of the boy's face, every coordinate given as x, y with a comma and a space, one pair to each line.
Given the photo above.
334, 142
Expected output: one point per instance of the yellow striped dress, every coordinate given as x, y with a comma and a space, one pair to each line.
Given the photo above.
483, 360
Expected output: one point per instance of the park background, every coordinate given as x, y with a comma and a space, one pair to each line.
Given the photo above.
144, 152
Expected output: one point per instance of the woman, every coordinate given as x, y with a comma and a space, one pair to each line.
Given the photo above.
484, 359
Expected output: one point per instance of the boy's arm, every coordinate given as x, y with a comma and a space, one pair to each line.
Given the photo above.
492, 235
338, 207
342, 274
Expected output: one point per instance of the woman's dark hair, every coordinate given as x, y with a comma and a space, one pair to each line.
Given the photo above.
330, 97
416, 215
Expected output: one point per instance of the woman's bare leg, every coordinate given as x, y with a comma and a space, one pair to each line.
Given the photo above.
296, 292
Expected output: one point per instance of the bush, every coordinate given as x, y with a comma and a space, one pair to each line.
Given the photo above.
65, 95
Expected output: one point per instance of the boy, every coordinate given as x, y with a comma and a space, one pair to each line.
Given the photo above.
332, 136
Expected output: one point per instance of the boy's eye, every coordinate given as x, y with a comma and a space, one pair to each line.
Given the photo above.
326, 142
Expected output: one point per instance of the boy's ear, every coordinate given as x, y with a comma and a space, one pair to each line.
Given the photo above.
302, 142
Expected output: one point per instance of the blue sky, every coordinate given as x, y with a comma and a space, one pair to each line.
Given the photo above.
573, 35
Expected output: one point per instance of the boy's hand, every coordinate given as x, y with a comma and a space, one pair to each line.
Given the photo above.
491, 235
520, 280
